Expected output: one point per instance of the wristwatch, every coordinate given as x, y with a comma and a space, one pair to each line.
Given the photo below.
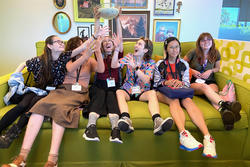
94, 37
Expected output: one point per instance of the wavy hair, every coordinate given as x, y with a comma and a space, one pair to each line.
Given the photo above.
212, 53
149, 46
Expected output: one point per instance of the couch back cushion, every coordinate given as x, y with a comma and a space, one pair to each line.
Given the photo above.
235, 57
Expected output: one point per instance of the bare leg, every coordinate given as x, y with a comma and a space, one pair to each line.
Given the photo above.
195, 114
122, 98
175, 110
209, 91
33, 127
153, 103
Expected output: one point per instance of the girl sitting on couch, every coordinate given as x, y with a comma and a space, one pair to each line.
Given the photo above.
204, 62
136, 86
174, 72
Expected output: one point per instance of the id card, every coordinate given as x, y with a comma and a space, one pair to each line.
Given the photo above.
76, 87
110, 82
198, 80
136, 89
49, 88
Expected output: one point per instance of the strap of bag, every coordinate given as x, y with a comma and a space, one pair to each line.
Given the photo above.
26, 83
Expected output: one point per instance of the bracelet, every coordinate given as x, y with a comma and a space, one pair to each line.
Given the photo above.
94, 37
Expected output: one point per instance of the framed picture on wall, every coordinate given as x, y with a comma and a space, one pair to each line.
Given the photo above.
164, 28
83, 10
135, 24
131, 3
164, 7
83, 32
60, 4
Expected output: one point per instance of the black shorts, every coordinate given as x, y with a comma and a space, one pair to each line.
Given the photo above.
134, 97
208, 82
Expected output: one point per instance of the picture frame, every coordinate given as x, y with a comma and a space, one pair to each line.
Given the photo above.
143, 4
92, 28
135, 24
164, 7
83, 32
83, 10
59, 4
164, 28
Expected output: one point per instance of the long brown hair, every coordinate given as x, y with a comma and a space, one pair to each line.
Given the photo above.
212, 53
74, 43
149, 46
46, 76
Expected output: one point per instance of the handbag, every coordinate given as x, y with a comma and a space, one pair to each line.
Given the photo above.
228, 92
176, 93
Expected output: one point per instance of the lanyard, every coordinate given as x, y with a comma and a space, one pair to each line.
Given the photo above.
109, 65
204, 66
78, 73
174, 75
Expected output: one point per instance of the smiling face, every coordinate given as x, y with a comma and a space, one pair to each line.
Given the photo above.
139, 49
173, 49
107, 45
206, 43
57, 45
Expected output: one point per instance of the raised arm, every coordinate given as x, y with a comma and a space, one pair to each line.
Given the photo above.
119, 29
99, 67
117, 46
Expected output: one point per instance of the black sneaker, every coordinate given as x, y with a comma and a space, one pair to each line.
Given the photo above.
115, 136
228, 118
11, 134
161, 126
125, 125
235, 106
90, 133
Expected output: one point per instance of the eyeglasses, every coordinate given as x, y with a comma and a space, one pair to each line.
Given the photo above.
208, 39
174, 47
58, 42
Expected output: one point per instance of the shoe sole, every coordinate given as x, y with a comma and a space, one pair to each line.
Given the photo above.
228, 120
236, 107
90, 139
123, 126
116, 140
209, 156
165, 126
190, 149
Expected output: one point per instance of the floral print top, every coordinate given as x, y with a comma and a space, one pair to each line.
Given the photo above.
131, 79
58, 67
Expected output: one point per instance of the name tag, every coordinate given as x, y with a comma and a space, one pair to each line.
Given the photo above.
76, 87
198, 80
49, 88
136, 89
110, 82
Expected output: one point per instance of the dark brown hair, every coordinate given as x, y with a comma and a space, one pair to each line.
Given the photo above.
149, 46
167, 41
46, 76
74, 43
212, 53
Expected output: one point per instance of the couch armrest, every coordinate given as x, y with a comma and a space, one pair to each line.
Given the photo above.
4, 85
242, 89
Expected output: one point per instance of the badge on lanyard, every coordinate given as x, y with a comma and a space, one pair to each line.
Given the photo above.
199, 80
76, 87
49, 88
110, 82
136, 89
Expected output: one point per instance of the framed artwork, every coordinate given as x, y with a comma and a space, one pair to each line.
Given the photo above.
59, 4
83, 32
83, 10
164, 28
92, 28
164, 7
135, 24
131, 3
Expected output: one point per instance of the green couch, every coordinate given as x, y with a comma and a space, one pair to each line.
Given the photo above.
142, 148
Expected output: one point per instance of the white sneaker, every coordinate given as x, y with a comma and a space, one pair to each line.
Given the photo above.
188, 142
209, 147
